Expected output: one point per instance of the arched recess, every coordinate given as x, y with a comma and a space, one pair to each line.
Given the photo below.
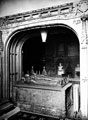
14, 46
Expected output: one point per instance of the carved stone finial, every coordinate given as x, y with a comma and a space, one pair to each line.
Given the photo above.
44, 71
32, 71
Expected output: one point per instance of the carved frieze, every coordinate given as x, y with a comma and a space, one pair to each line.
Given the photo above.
66, 11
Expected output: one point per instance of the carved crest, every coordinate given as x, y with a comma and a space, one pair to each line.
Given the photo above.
83, 5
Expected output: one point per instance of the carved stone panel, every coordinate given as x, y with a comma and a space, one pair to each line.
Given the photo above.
83, 5
41, 100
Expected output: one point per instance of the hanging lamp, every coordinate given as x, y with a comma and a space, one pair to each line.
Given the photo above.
44, 35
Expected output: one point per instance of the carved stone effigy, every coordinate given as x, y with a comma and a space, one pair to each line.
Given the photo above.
45, 80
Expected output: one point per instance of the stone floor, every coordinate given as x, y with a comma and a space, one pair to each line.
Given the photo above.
28, 116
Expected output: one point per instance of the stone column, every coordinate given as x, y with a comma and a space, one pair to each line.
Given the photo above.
87, 62
76, 97
84, 70
1, 73
5, 65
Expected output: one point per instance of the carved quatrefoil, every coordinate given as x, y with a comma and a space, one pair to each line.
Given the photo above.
83, 5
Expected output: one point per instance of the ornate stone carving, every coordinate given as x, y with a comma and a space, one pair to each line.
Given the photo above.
83, 5
85, 80
43, 99
66, 11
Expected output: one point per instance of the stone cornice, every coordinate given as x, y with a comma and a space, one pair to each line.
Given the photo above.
66, 11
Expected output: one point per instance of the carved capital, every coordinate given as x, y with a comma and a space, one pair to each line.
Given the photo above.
84, 18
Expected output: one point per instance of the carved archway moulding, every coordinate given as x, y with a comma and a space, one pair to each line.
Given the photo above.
69, 14
11, 33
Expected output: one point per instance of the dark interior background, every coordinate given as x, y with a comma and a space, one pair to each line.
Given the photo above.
61, 45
